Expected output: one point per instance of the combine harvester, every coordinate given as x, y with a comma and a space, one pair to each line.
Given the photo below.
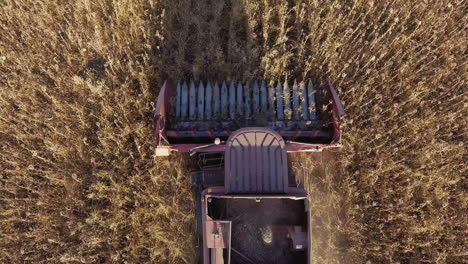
249, 207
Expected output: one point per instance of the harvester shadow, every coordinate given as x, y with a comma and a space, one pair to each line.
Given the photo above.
207, 40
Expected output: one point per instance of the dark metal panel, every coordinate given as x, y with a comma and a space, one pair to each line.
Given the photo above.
178, 96
216, 100
256, 98
208, 103
312, 104
232, 101
201, 101
271, 98
248, 100
315, 133
279, 101
287, 101
296, 107
192, 102
264, 96
240, 101
255, 162
184, 103
217, 125
224, 100
304, 103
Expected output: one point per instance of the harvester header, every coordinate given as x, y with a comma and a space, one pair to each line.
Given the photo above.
199, 116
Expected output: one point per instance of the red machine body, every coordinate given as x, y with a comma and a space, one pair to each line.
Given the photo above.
250, 208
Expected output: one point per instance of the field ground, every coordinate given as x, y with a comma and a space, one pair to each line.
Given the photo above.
78, 179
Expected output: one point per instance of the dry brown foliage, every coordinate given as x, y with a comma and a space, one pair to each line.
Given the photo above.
78, 180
